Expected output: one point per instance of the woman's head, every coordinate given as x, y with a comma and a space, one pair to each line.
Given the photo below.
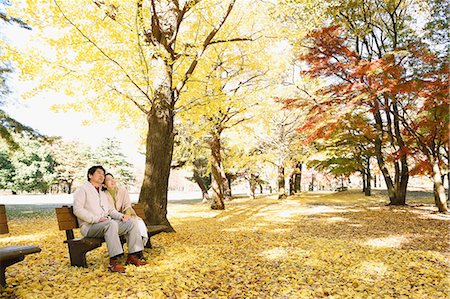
110, 182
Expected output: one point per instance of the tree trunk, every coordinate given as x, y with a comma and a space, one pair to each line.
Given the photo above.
368, 186
396, 192
227, 185
291, 184
253, 182
159, 149
201, 185
218, 175
295, 179
69, 187
298, 178
439, 190
281, 187
364, 178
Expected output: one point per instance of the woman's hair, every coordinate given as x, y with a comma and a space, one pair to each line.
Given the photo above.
103, 185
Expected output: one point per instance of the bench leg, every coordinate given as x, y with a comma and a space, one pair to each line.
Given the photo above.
149, 243
78, 252
5, 264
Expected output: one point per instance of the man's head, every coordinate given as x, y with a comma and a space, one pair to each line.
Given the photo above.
96, 174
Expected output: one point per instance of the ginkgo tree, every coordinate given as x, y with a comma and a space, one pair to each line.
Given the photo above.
224, 102
134, 58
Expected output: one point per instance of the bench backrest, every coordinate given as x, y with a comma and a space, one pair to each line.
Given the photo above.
66, 219
139, 209
3, 220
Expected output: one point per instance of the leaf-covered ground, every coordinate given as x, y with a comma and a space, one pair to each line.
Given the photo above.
340, 245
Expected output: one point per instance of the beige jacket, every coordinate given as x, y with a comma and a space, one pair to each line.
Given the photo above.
89, 206
122, 202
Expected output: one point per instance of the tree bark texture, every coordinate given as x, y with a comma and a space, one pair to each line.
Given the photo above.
201, 185
159, 149
219, 179
281, 186
368, 176
397, 186
438, 187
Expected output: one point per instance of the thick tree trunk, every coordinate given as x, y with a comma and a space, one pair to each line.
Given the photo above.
439, 191
397, 190
281, 186
159, 145
218, 175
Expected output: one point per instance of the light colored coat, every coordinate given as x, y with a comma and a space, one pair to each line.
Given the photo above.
89, 206
123, 201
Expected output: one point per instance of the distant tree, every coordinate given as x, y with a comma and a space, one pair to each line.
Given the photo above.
7, 170
278, 143
110, 155
72, 158
34, 167
191, 150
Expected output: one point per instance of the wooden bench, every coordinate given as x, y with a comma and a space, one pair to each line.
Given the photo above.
10, 255
78, 247
151, 229
340, 189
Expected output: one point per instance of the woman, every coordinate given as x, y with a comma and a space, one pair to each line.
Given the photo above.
118, 196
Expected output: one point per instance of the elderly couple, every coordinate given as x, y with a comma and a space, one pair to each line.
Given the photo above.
109, 215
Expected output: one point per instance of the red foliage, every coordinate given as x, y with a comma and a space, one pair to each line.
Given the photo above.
357, 83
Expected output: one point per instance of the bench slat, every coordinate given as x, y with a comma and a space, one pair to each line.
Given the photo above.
139, 209
4, 229
9, 252
66, 218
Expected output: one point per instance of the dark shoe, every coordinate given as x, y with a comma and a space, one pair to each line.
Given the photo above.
140, 255
114, 266
134, 260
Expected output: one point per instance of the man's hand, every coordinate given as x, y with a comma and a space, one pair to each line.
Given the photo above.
125, 218
103, 219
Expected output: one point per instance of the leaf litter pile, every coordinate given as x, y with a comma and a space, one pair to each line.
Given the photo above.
316, 245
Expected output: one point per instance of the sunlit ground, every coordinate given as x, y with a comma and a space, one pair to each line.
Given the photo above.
317, 245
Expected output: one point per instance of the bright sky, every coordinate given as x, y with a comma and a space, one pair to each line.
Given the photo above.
36, 112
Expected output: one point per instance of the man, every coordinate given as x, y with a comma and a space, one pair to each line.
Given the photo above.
98, 219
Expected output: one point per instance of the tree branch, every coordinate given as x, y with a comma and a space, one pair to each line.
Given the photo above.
102, 51
206, 43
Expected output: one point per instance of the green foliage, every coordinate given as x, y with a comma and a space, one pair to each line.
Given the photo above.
436, 29
34, 167
72, 159
109, 154
7, 170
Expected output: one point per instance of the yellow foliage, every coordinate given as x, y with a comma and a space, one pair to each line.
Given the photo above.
311, 246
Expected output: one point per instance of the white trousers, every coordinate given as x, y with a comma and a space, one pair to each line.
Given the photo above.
142, 230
